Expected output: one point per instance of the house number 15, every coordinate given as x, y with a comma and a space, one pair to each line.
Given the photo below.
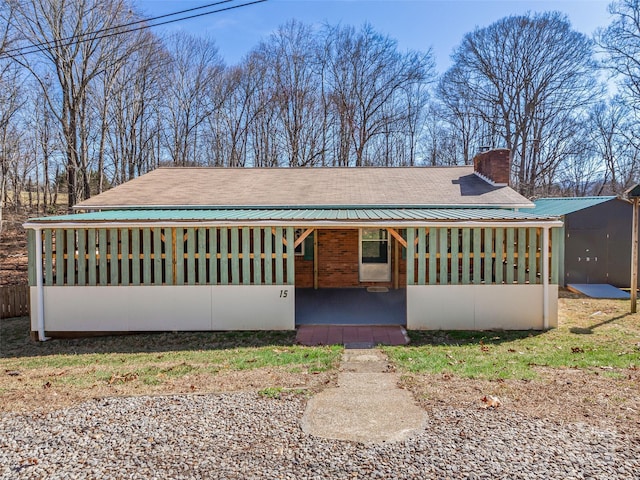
284, 293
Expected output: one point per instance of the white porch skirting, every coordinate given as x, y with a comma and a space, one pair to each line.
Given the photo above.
479, 307
165, 308
272, 307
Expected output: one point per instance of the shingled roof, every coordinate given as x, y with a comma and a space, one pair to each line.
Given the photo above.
307, 188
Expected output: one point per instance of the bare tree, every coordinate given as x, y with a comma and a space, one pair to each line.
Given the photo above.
366, 74
68, 42
621, 42
291, 57
241, 95
468, 131
194, 64
41, 126
610, 127
9, 104
129, 95
523, 73
579, 174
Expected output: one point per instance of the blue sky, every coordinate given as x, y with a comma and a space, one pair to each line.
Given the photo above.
414, 24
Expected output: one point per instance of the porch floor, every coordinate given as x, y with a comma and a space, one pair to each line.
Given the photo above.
365, 336
350, 306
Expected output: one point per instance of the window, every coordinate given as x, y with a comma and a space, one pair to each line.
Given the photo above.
375, 245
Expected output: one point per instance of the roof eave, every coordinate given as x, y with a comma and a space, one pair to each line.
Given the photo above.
509, 206
359, 223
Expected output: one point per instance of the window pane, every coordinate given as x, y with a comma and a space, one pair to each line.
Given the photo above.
374, 251
374, 234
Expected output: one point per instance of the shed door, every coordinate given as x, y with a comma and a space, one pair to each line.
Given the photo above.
585, 256
375, 255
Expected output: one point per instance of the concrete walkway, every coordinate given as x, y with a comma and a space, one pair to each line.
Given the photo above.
367, 406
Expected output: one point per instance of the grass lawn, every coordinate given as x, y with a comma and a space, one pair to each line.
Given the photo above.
154, 363
592, 334
586, 370
591, 359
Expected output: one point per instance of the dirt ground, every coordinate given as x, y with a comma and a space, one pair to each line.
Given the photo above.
563, 395
13, 250
593, 396
40, 396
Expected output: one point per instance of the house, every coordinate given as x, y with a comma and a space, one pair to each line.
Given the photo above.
596, 246
231, 249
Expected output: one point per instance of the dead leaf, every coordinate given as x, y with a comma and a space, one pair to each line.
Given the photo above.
484, 348
577, 350
127, 377
491, 401
47, 385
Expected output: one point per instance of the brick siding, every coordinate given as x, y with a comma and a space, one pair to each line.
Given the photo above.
338, 262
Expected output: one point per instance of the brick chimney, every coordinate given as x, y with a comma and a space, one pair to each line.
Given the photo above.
494, 166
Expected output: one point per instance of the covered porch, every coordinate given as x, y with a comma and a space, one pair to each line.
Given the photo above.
351, 306
252, 270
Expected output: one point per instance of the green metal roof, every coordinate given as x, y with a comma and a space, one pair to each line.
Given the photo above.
294, 215
565, 205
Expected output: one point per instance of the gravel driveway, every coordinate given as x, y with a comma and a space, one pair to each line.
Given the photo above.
244, 435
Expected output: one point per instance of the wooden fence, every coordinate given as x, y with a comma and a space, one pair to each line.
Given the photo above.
14, 301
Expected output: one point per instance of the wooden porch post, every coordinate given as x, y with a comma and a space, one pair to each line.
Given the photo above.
634, 256
396, 264
545, 278
315, 259
633, 194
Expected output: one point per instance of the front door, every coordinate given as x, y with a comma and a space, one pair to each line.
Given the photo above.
375, 255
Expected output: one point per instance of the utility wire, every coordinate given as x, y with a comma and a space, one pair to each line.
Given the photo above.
145, 20
77, 39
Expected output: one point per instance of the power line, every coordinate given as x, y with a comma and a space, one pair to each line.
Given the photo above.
77, 39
